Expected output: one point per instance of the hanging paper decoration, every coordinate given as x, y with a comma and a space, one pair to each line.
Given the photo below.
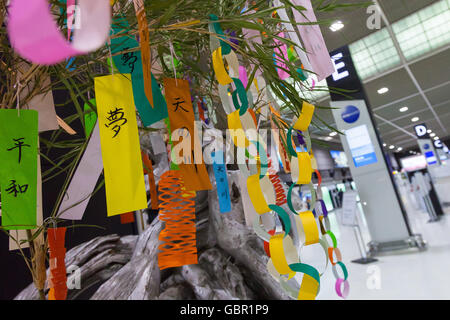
21, 235
148, 170
181, 116
220, 173
18, 170
84, 180
315, 46
284, 262
58, 277
280, 57
281, 11
126, 218
121, 153
177, 210
36, 37
132, 62
144, 39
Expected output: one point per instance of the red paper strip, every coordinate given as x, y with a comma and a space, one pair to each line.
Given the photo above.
127, 218
58, 276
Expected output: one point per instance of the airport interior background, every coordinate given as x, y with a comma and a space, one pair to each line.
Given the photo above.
382, 163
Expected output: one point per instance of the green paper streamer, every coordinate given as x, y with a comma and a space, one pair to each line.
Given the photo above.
132, 63
283, 216
18, 172
226, 48
90, 117
306, 269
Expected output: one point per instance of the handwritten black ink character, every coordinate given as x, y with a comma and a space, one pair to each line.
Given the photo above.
19, 145
129, 58
15, 188
178, 105
116, 116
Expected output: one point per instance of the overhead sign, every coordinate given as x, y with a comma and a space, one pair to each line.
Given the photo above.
421, 131
438, 144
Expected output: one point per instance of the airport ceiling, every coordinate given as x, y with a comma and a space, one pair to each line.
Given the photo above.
426, 87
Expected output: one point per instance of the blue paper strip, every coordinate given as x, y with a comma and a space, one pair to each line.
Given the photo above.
220, 172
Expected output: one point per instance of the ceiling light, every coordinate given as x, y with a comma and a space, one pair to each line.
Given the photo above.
328, 138
384, 144
429, 131
399, 149
391, 147
415, 119
403, 109
436, 138
337, 25
432, 134
383, 90
332, 134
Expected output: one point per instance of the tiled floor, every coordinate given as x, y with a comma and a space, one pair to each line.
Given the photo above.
406, 274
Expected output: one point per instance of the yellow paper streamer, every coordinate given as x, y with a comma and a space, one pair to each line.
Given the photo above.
121, 152
305, 118
256, 194
219, 67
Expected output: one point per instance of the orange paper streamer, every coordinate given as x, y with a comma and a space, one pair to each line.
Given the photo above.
144, 40
58, 276
278, 187
181, 116
148, 170
177, 210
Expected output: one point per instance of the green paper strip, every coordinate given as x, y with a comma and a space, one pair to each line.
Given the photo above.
306, 269
240, 91
289, 198
90, 117
18, 170
344, 270
333, 238
226, 48
132, 63
283, 216
291, 149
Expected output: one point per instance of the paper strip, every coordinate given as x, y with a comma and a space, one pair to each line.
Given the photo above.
121, 152
84, 180
220, 173
35, 35
132, 62
312, 38
58, 278
177, 210
22, 234
181, 116
18, 172
148, 170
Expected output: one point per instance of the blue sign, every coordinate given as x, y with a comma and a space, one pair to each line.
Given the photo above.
350, 114
361, 147
431, 157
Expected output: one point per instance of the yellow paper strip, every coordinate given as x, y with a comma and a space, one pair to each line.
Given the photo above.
305, 118
121, 152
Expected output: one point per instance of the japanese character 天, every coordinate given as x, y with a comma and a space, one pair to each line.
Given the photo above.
19, 144
178, 104
115, 117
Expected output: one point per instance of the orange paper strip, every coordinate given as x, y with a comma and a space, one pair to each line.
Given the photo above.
177, 210
181, 116
148, 170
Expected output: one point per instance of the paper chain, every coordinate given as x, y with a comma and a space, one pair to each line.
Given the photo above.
284, 261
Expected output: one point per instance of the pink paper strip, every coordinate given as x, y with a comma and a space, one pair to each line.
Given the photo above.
243, 76
280, 55
312, 38
84, 180
35, 35
70, 16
